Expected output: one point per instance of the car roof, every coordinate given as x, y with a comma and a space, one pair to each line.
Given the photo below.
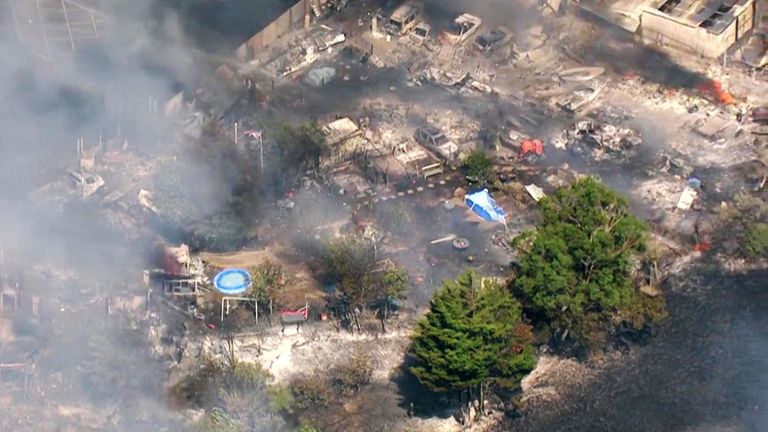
465, 17
402, 12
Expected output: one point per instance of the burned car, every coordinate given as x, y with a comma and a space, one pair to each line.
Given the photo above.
420, 34
511, 137
461, 29
430, 136
433, 138
492, 40
403, 20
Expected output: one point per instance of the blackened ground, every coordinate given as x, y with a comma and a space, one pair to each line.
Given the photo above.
704, 370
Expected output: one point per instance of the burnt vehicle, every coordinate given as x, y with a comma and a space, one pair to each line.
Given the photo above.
403, 20
461, 29
420, 33
492, 40
433, 138
511, 137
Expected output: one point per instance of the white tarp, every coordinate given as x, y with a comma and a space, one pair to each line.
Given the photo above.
535, 192
686, 198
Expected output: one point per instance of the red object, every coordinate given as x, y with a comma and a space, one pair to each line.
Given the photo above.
211, 326
713, 90
531, 146
304, 312
630, 75
702, 247
253, 133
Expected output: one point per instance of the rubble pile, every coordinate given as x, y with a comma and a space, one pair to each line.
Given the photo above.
604, 141
708, 95
456, 126
400, 54
552, 378
300, 51
386, 112
561, 176
669, 164
502, 240
389, 124
660, 192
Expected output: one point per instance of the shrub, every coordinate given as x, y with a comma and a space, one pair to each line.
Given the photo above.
311, 391
756, 240
354, 373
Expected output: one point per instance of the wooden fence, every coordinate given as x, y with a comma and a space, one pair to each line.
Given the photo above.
274, 30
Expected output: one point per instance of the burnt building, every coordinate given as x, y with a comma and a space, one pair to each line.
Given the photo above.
703, 27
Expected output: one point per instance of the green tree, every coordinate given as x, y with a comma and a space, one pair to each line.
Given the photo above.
299, 148
267, 280
351, 262
575, 271
393, 287
472, 339
479, 166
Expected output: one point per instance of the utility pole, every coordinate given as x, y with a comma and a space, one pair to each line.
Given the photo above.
261, 151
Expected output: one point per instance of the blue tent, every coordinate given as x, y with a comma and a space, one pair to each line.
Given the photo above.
484, 206
232, 281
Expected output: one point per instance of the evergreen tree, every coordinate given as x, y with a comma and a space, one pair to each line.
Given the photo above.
575, 271
472, 338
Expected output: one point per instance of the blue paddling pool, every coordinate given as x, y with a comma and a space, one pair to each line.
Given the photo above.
232, 281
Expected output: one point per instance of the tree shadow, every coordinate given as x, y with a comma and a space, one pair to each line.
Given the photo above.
419, 401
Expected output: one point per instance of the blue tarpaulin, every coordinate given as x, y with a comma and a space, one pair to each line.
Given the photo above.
484, 206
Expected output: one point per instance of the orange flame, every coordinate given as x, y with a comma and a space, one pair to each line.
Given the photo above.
714, 90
